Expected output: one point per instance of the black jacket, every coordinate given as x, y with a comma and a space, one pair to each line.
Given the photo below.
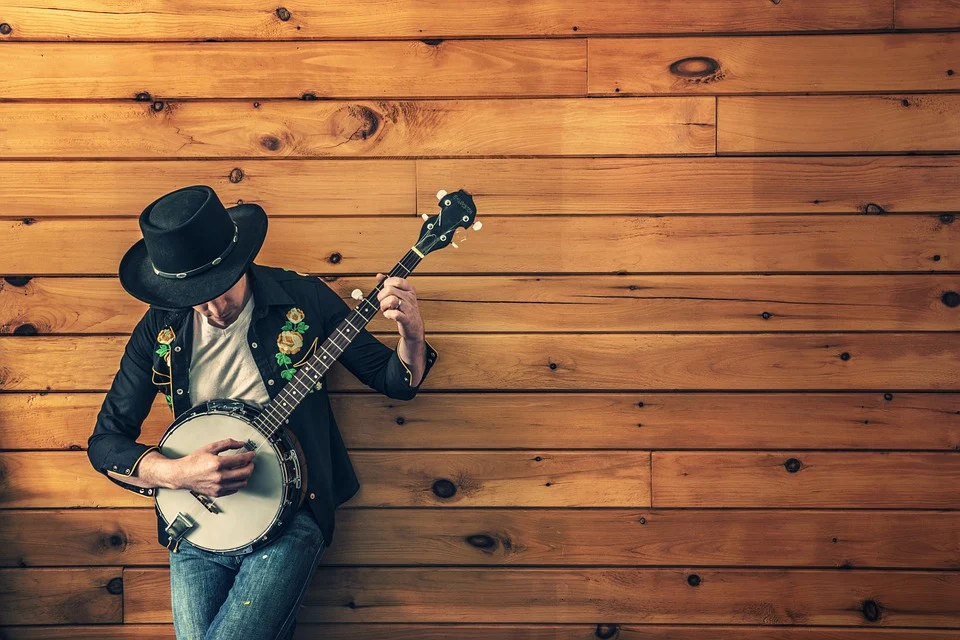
157, 360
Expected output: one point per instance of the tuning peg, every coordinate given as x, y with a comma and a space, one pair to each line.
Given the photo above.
441, 193
477, 225
356, 294
424, 216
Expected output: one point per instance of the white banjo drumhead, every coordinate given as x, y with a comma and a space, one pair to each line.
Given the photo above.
241, 517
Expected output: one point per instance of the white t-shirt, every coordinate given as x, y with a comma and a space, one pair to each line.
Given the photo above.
221, 365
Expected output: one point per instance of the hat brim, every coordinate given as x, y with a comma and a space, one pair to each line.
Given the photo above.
139, 280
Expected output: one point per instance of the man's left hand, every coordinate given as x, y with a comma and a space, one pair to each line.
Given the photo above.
398, 302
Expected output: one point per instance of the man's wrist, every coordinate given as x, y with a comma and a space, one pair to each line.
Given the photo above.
158, 471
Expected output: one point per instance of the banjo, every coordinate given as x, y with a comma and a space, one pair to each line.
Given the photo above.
254, 515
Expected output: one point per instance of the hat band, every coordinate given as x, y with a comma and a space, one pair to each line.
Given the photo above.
203, 267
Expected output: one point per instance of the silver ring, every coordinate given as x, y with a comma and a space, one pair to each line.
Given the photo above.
399, 302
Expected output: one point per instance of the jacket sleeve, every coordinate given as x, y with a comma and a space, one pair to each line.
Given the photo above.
113, 444
372, 362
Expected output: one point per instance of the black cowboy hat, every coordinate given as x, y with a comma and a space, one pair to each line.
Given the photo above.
193, 249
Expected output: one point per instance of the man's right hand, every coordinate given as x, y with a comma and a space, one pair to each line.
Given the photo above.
203, 471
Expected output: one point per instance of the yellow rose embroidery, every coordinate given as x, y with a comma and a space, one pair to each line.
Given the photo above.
289, 342
295, 315
166, 335
164, 339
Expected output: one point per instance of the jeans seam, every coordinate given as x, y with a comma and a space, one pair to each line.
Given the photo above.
306, 583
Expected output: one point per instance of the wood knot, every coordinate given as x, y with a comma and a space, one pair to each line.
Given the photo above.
766, 315
792, 465
28, 221
400, 420
18, 281
482, 541
308, 96
888, 396
358, 122
553, 365
157, 106
946, 218
697, 69
335, 258
115, 541
693, 580
115, 586
143, 96
844, 356
951, 299
905, 102
432, 42
283, 13
236, 175
871, 610
936, 257
605, 631
25, 330
271, 143
5, 28
873, 208
444, 489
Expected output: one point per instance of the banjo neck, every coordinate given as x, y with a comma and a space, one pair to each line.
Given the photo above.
277, 410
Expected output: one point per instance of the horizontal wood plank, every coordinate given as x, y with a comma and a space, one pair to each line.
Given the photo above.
806, 479
838, 124
671, 185
914, 302
488, 479
314, 19
774, 64
924, 14
413, 631
512, 537
721, 596
332, 129
61, 596
578, 362
622, 244
374, 187
369, 69
899, 421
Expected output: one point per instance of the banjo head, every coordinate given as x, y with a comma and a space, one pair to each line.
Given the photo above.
234, 522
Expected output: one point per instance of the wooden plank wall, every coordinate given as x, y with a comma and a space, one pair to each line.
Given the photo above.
698, 374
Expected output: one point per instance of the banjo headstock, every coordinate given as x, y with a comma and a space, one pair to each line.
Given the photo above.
457, 211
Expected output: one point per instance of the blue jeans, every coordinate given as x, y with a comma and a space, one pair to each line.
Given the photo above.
253, 596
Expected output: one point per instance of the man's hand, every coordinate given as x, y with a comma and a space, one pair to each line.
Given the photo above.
203, 471
398, 302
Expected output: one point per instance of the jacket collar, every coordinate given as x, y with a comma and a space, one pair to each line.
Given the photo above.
266, 290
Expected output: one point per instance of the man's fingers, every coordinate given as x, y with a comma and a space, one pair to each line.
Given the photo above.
237, 460
236, 475
223, 445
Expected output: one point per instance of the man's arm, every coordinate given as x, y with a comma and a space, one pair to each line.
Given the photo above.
372, 362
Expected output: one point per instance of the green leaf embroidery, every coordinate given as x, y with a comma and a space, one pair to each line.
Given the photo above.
286, 374
163, 350
301, 328
288, 326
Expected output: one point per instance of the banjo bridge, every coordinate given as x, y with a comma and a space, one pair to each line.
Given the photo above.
206, 501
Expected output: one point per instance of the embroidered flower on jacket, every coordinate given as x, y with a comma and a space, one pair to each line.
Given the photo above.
290, 341
164, 339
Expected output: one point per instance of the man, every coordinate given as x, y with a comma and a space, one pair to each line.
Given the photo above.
221, 326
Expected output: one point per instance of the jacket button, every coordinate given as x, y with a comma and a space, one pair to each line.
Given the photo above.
179, 392
313, 496
177, 348
253, 345
270, 382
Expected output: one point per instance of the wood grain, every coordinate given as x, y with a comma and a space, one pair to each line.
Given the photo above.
895, 421
510, 537
774, 64
424, 478
622, 244
362, 129
838, 124
804, 479
923, 14
60, 596
369, 69
476, 304
722, 596
508, 187
239, 20
578, 362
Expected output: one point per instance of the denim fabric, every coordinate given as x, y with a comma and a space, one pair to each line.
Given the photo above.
255, 596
